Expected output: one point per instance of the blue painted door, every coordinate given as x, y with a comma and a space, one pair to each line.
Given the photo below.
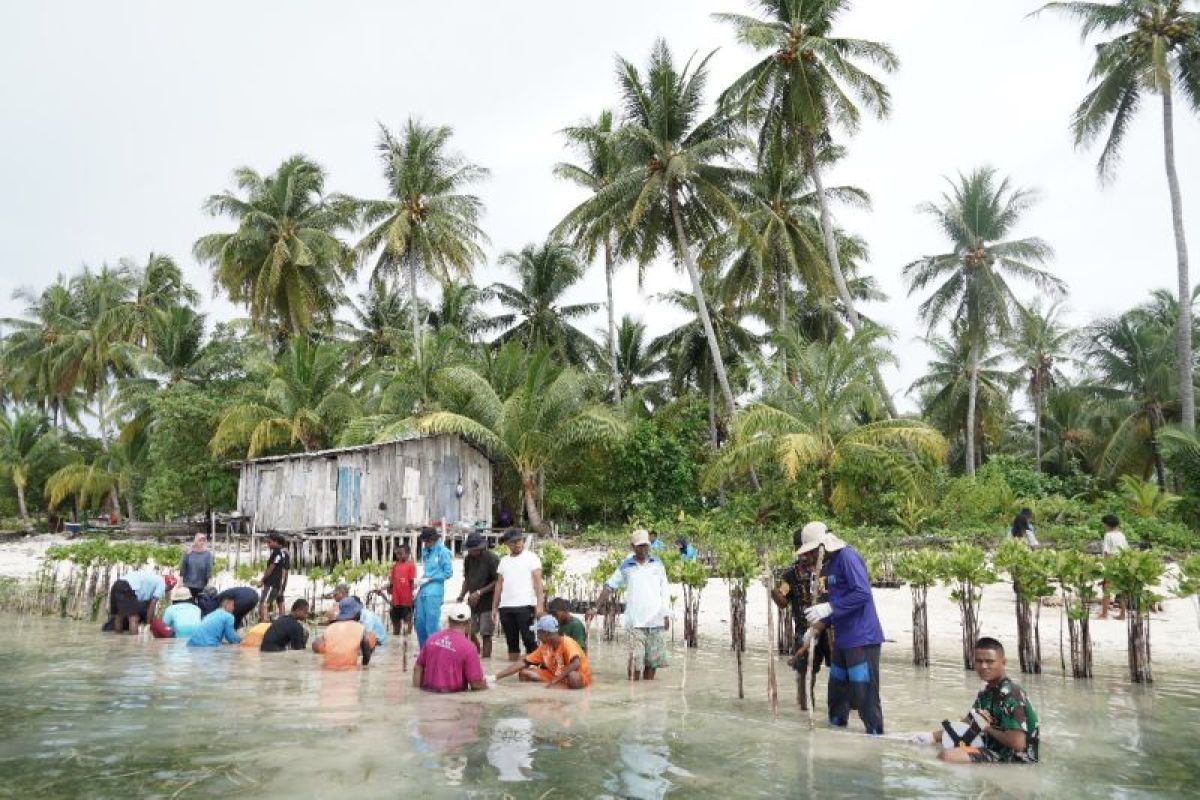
349, 496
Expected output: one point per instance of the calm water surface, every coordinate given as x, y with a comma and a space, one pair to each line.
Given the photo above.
90, 715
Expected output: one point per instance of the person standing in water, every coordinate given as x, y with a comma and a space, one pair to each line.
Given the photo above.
274, 579
480, 572
1002, 720
438, 567
401, 581
195, 570
519, 597
857, 634
647, 607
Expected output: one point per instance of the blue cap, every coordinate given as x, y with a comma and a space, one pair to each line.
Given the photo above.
348, 608
546, 624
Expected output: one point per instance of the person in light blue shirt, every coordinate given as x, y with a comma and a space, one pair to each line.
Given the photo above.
372, 622
217, 627
182, 616
655, 542
438, 566
686, 549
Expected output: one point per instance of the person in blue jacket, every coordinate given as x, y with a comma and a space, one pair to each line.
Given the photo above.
438, 566
857, 634
217, 627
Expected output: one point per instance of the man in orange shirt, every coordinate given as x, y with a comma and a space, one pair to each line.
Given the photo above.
557, 661
346, 639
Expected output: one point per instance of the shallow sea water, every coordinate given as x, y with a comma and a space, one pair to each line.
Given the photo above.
90, 715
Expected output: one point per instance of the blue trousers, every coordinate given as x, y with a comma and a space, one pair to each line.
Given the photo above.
854, 684
427, 612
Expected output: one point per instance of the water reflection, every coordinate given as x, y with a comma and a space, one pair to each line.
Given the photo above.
643, 756
510, 749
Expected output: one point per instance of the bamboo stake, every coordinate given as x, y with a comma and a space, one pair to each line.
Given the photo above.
772, 637
810, 677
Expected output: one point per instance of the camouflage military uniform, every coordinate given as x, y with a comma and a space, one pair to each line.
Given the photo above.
1010, 710
796, 585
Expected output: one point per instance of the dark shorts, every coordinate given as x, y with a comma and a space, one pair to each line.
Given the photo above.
401, 614
122, 601
272, 594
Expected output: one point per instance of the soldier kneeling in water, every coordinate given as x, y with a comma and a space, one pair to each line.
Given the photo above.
1001, 728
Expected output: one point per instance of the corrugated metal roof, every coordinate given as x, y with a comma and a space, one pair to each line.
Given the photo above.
333, 451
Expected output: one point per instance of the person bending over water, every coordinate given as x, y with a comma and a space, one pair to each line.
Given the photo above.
217, 627
182, 617
132, 599
346, 639
1001, 724
449, 661
647, 607
244, 600
558, 660
286, 632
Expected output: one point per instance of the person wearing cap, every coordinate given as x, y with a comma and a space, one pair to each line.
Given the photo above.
345, 640
857, 634
647, 607
480, 572
216, 628
401, 581
133, 597
182, 617
557, 661
519, 597
449, 661
274, 579
438, 566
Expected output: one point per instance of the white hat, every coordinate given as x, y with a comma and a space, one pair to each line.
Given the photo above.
180, 593
816, 534
458, 612
640, 536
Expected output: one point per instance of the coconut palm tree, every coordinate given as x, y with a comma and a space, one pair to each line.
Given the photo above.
808, 81
284, 262
1133, 358
377, 326
428, 225
1068, 421
1042, 344
543, 421
26, 443
813, 424
536, 314
1155, 50
31, 351
596, 141
638, 363
944, 389
459, 308
678, 187
303, 403
977, 216
110, 475
159, 288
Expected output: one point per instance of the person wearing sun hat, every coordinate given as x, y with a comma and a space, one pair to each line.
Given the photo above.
857, 634
182, 617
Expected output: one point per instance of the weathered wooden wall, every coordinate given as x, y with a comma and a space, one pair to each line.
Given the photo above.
416, 480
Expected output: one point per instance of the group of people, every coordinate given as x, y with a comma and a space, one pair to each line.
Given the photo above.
828, 589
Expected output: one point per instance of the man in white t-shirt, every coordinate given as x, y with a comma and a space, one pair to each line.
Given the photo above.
647, 607
519, 597
1114, 542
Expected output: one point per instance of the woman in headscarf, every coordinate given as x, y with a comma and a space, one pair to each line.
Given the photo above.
196, 568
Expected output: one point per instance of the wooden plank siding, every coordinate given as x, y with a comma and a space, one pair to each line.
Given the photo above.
303, 491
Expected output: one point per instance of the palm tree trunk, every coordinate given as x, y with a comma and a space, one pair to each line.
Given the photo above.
713, 435
115, 498
531, 507
972, 397
612, 320
1037, 431
781, 314
835, 264
416, 316
714, 347
1160, 472
1187, 391
24, 510
129, 515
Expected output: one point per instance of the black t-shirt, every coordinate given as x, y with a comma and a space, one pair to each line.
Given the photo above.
479, 571
281, 562
285, 633
244, 600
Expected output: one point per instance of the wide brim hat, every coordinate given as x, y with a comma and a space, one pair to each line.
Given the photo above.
475, 542
348, 609
181, 593
816, 534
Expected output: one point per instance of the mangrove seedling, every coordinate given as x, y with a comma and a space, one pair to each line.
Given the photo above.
1078, 575
1135, 574
1031, 572
920, 569
738, 565
965, 570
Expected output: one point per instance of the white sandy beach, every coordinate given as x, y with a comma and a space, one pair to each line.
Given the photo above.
1175, 632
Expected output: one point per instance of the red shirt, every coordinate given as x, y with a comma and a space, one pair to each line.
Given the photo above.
404, 575
450, 663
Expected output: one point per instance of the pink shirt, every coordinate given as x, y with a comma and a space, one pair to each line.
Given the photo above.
450, 662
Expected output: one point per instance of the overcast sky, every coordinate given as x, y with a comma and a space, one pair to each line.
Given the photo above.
117, 119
